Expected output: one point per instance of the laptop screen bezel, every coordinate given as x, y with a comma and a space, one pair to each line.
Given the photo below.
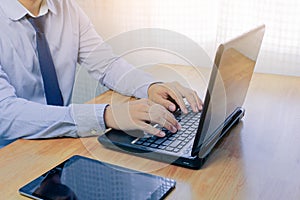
200, 137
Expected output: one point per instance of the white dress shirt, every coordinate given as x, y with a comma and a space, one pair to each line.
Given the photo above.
72, 39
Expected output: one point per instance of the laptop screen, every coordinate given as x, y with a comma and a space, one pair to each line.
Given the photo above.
228, 85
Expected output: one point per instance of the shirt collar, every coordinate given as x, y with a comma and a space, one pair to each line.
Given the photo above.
16, 11
51, 6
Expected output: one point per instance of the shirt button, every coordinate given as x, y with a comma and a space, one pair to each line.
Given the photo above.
94, 132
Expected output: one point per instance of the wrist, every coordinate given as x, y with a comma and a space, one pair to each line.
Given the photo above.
151, 87
106, 116
109, 118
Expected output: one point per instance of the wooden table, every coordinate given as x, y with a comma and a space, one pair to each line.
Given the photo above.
259, 159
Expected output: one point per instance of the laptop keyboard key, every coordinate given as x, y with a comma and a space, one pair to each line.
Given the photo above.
146, 144
161, 147
159, 141
175, 143
167, 142
154, 145
169, 148
139, 142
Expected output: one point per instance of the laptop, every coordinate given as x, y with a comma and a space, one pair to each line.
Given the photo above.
227, 88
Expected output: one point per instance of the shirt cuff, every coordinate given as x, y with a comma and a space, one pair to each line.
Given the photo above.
89, 119
142, 92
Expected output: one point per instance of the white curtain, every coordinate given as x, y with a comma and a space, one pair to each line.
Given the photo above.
280, 52
210, 22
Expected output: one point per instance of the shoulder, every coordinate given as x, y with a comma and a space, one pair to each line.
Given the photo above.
63, 4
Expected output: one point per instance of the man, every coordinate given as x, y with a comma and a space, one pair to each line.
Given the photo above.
44, 39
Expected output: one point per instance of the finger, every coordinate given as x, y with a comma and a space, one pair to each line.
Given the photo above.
199, 101
179, 100
153, 131
159, 115
168, 126
167, 104
191, 98
169, 122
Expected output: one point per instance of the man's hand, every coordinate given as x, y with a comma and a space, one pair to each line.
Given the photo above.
139, 115
162, 92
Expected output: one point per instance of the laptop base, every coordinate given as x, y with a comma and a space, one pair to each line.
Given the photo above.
122, 142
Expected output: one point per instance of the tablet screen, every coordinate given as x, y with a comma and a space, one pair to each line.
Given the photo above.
86, 179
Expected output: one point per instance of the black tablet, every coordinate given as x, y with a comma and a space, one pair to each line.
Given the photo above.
83, 178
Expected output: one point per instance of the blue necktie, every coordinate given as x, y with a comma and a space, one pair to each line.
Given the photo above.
52, 91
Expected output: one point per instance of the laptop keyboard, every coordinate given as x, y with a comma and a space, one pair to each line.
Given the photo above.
174, 142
